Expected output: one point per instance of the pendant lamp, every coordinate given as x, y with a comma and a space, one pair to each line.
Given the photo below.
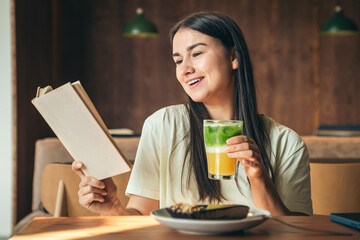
339, 24
140, 26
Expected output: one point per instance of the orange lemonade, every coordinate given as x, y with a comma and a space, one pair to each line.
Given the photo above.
220, 164
216, 132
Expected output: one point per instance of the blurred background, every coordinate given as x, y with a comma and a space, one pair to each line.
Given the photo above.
303, 79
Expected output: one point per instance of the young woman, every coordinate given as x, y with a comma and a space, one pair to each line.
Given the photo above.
214, 68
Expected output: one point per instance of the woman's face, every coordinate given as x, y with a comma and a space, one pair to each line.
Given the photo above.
203, 67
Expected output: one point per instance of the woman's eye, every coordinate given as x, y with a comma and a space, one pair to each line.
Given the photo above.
177, 62
195, 54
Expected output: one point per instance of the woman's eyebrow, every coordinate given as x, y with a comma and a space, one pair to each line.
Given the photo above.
195, 45
190, 48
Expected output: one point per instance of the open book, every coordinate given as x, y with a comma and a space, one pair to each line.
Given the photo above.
72, 116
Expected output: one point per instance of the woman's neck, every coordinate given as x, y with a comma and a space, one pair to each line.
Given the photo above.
223, 111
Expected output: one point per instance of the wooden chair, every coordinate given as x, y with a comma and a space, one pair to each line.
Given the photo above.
335, 187
59, 188
50, 151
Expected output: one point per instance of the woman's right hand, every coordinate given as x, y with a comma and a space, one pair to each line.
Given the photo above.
97, 196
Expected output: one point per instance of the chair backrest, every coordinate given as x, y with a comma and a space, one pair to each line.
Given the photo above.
335, 173
54, 173
335, 187
51, 150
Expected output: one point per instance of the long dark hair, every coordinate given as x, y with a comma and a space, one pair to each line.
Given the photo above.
222, 27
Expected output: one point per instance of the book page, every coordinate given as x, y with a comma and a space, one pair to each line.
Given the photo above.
81, 133
83, 95
87, 101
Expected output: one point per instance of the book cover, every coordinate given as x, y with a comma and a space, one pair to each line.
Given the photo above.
348, 219
74, 119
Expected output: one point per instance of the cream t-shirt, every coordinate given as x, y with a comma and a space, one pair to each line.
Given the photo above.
157, 172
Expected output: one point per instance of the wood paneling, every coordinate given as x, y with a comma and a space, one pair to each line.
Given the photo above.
33, 63
279, 37
339, 70
128, 79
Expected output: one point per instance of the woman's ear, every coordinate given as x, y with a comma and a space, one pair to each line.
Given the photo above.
234, 61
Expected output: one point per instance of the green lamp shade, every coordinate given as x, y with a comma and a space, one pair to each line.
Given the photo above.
339, 24
140, 26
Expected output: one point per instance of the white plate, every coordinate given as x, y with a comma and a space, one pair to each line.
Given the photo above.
210, 227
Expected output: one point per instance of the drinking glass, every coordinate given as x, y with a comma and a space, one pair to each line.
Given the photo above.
216, 132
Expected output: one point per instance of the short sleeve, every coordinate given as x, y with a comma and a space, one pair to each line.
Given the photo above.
144, 179
292, 178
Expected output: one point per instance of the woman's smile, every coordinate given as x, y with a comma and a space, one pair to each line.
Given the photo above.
194, 82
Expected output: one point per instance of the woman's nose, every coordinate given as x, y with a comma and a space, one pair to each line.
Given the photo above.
186, 68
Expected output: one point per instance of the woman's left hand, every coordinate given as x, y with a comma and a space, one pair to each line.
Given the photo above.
248, 153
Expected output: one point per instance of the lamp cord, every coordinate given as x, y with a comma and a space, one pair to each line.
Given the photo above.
312, 229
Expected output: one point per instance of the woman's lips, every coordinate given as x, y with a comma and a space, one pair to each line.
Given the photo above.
195, 82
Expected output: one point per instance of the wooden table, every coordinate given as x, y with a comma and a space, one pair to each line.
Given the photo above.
146, 227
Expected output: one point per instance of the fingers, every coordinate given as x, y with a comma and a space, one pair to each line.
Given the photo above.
91, 181
246, 154
76, 167
249, 163
245, 149
89, 194
91, 190
86, 180
239, 139
242, 146
238, 147
90, 198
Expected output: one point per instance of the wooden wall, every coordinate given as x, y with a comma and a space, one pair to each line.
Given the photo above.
303, 79
33, 67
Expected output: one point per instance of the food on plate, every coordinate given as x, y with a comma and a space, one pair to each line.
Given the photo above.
216, 211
